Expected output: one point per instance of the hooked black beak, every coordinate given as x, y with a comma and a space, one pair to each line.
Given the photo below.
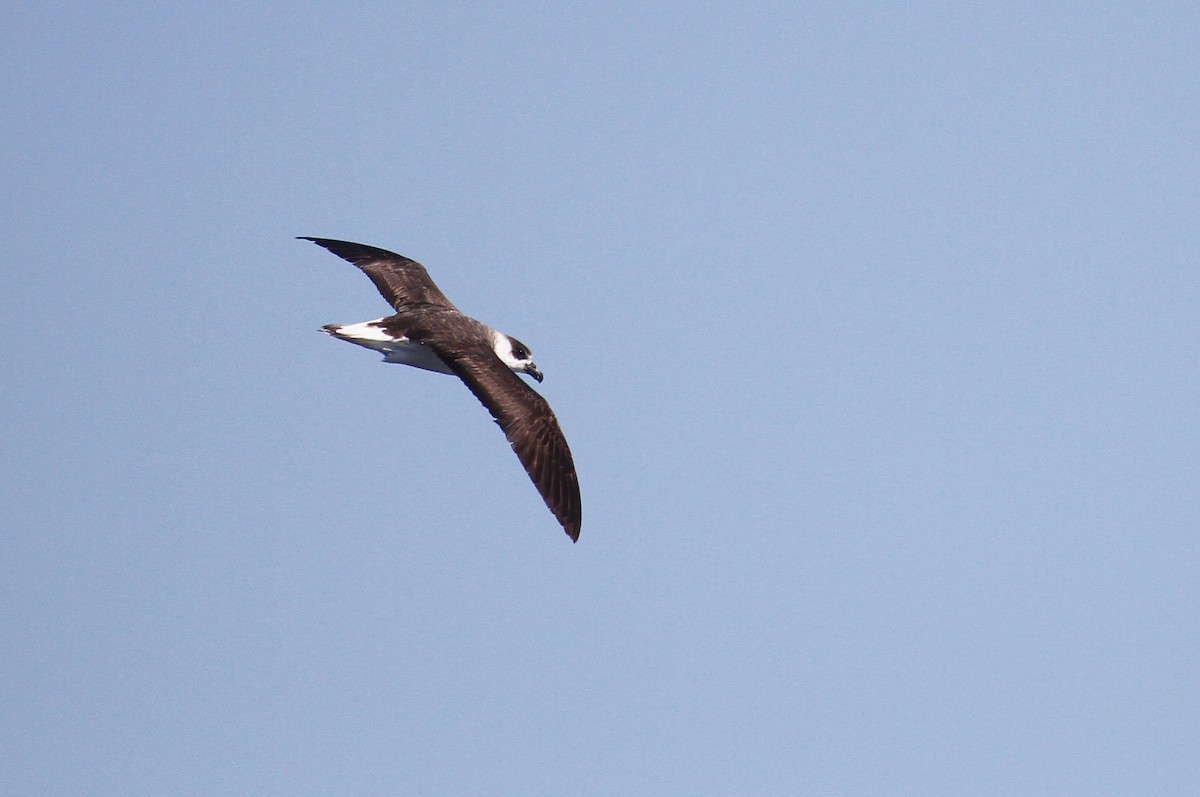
534, 372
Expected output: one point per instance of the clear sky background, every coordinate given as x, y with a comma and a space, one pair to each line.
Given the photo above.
873, 328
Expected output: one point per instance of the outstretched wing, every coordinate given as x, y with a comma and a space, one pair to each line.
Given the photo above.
401, 281
527, 421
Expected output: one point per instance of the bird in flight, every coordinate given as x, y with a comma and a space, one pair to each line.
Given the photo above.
429, 332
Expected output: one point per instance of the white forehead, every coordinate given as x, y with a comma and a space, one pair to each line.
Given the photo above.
503, 346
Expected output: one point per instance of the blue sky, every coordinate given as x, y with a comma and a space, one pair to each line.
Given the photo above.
872, 328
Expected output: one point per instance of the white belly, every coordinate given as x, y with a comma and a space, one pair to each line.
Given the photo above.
418, 355
399, 350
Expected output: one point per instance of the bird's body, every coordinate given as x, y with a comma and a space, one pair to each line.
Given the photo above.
430, 333
396, 348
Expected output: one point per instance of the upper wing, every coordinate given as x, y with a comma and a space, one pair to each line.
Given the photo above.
400, 280
528, 423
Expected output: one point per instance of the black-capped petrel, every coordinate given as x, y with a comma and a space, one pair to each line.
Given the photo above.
429, 332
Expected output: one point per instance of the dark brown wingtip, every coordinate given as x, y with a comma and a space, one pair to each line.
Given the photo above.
571, 516
328, 243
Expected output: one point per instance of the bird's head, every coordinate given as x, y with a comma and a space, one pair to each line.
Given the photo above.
516, 355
